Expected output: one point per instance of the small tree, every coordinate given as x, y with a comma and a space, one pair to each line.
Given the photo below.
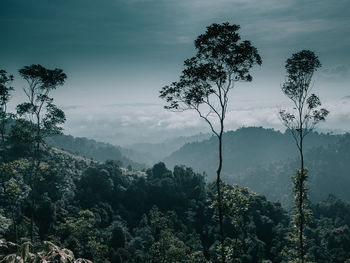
222, 60
5, 94
300, 122
40, 117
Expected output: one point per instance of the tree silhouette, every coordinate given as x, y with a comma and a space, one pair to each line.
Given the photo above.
5, 94
300, 122
221, 61
39, 116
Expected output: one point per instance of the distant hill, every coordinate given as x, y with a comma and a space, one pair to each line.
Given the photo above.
136, 155
329, 173
243, 148
98, 151
151, 153
265, 160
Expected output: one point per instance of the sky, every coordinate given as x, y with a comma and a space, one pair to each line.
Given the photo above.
118, 54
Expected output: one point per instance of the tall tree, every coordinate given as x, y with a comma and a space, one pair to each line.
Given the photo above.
5, 94
300, 122
40, 117
222, 60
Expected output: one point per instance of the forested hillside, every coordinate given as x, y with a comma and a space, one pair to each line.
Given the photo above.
137, 155
105, 214
329, 168
98, 151
243, 149
265, 160
262, 159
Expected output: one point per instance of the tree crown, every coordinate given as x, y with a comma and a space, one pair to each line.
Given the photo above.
42, 77
220, 61
41, 81
300, 68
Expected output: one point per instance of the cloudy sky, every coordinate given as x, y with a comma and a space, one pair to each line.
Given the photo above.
119, 53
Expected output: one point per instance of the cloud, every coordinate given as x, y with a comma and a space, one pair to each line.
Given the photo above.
339, 110
184, 39
281, 28
126, 124
336, 72
228, 5
131, 105
265, 116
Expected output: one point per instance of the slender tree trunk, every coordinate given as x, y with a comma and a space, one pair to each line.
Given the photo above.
31, 184
36, 167
301, 199
218, 186
32, 203
33, 175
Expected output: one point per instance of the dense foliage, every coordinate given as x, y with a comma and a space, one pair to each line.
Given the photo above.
105, 213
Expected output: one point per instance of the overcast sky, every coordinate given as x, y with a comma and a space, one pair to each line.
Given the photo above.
119, 53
